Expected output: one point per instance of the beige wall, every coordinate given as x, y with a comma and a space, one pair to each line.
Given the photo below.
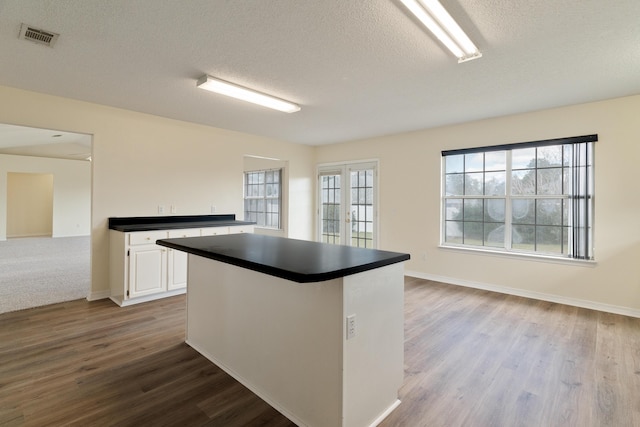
71, 192
29, 204
142, 161
409, 181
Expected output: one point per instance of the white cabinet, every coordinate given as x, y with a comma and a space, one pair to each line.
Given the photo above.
147, 270
137, 266
140, 270
214, 231
177, 260
241, 229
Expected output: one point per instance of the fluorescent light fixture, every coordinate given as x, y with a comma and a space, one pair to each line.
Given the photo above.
441, 24
239, 92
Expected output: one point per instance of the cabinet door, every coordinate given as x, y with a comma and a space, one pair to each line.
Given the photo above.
177, 269
177, 260
147, 270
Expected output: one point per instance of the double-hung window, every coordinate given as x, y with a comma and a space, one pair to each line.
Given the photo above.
532, 197
263, 197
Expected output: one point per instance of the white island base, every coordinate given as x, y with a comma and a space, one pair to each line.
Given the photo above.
287, 341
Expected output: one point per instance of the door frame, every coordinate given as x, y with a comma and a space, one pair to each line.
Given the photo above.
344, 169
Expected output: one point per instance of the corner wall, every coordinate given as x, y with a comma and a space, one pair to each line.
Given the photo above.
409, 179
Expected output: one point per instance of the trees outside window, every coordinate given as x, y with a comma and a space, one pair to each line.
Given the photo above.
534, 197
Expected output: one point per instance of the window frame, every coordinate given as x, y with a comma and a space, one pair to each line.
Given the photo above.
261, 215
570, 200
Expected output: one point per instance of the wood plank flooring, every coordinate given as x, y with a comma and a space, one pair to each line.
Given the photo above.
95, 364
477, 358
472, 358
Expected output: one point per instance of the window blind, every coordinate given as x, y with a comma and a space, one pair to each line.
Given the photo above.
578, 168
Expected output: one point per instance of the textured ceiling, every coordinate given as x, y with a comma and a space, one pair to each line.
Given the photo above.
358, 68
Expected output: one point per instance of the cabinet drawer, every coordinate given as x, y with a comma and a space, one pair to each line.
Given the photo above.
146, 237
241, 229
214, 231
184, 232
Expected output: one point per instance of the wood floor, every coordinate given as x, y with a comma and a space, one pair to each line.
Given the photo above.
472, 358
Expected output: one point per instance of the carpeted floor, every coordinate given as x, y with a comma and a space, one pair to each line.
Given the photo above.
38, 271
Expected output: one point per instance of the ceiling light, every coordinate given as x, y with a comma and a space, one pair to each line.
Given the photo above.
441, 24
235, 91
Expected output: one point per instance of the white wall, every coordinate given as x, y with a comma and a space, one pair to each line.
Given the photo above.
409, 182
71, 192
142, 161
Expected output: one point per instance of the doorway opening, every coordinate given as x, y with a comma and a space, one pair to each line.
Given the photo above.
45, 216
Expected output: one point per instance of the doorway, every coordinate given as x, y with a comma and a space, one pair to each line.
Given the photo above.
348, 204
45, 216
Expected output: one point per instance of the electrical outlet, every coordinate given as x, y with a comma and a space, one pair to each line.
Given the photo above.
173, 209
160, 209
351, 326
213, 208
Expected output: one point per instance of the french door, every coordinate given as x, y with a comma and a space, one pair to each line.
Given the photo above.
347, 213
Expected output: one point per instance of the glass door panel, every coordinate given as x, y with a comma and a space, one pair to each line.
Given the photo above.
361, 217
330, 195
348, 217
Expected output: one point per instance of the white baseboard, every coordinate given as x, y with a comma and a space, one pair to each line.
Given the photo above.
127, 302
385, 414
264, 396
28, 235
576, 302
248, 384
96, 295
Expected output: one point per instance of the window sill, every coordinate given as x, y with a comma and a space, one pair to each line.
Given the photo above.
521, 256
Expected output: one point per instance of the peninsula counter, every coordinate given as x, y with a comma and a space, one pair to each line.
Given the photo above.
316, 330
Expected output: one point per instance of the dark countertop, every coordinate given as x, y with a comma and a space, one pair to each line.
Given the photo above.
147, 223
301, 261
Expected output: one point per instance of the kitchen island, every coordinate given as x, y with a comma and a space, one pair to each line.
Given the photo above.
315, 330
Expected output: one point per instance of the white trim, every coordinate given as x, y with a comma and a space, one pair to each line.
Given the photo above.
339, 165
245, 382
284, 190
485, 251
509, 197
342, 169
575, 302
264, 396
385, 414
146, 298
96, 295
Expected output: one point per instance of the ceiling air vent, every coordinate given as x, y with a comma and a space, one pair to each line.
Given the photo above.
37, 35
